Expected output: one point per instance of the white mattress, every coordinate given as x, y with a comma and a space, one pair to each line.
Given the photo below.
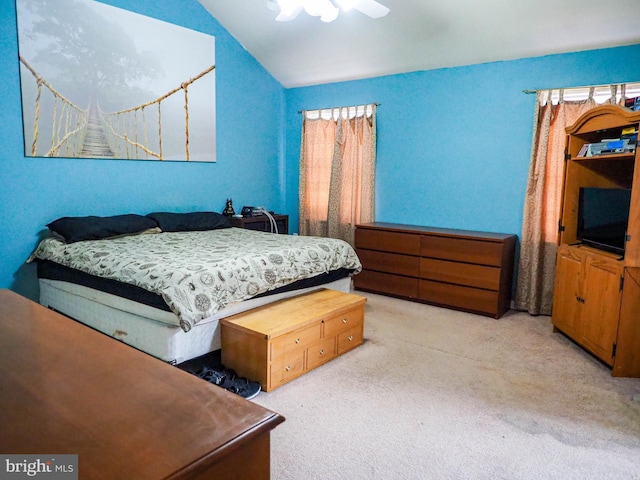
149, 329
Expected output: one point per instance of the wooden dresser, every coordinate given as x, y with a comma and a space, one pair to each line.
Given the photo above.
68, 389
460, 269
280, 341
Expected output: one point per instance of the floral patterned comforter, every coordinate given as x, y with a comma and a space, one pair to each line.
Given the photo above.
200, 273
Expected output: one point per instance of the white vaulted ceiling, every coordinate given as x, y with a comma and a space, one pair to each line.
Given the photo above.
422, 35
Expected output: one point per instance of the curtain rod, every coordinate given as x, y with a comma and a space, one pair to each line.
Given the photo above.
334, 108
574, 88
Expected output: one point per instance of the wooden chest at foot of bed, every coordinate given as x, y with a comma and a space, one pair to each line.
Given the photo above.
278, 342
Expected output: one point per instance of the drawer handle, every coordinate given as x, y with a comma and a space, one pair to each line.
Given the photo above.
344, 320
322, 352
350, 337
297, 340
287, 368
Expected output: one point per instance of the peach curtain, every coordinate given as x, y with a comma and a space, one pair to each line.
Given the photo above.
539, 240
337, 173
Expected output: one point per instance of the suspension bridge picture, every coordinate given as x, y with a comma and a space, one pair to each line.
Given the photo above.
99, 82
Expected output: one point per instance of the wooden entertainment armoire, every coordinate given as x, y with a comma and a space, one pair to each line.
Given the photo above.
597, 294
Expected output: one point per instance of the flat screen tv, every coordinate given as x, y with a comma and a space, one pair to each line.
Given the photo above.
603, 215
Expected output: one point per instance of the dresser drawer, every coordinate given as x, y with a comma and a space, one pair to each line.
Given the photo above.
386, 283
396, 242
462, 250
287, 368
479, 276
321, 352
339, 323
350, 339
295, 341
389, 262
464, 298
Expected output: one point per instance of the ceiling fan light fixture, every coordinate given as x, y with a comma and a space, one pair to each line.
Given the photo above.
324, 9
312, 7
345, 5
329, 14
289, 8
327, 10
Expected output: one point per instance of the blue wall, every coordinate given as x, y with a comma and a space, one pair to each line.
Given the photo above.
35, 191
454, 144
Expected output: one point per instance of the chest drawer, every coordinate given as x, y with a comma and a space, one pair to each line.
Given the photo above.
397, 242
398, 285
296, 340
480, 276
466, 298
462, 250
389, 262
350, 339
334, 325
287, 368
321, 352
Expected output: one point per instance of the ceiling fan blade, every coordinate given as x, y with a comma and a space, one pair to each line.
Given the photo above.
285, 16
370, 8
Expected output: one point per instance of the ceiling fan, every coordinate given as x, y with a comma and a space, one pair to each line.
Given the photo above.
327, 10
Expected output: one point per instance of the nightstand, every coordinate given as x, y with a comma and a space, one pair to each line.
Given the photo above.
262, 223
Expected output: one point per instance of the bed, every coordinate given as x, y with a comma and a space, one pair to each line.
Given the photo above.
161, 282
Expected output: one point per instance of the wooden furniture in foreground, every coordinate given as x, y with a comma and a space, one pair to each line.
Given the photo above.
596, 299
280, 341
262, 223
464, 270
68, 389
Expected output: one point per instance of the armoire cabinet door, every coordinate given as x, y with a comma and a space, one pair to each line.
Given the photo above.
565, 314
601, 307
586, 299
627, 361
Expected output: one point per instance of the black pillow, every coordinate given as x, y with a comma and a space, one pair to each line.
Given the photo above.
75, 229
193, 221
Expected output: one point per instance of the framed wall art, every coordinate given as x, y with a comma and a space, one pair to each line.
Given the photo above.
99, 82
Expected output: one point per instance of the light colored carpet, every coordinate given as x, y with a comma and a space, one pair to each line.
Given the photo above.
439, 394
